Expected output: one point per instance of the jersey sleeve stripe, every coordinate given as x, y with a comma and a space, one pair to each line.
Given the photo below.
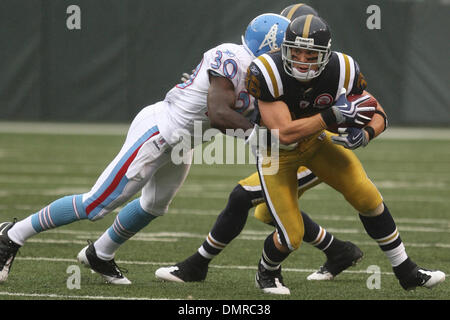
347, 68
352, 74
341, 74
347, 72
271, 75
292, 11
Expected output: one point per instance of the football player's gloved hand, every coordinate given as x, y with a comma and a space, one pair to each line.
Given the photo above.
186, 76
351, 138
349, 113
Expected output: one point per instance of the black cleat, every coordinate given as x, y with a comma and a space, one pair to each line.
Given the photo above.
270, 281
8, 250
185, 271
349, 256
107, 269
419, 277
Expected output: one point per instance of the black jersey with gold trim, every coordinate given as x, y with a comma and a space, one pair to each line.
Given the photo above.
267, 81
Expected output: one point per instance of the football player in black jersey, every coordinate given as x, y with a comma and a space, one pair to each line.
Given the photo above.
247, 194
301, 90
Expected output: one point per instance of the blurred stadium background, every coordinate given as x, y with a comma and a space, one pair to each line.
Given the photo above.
127, 54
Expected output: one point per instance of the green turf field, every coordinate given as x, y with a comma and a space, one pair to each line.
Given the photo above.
35, 169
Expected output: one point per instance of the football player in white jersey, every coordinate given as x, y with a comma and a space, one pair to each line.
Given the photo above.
214, 96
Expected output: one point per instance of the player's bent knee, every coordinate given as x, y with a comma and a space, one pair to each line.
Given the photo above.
240, 197
157, 212
375, 212
295, 239
365, 198
295, 243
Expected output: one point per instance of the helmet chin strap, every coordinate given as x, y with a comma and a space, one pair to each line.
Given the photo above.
303, 76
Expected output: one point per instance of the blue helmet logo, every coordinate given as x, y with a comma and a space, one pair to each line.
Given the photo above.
265, 33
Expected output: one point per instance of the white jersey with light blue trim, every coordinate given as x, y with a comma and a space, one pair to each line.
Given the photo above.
188, 100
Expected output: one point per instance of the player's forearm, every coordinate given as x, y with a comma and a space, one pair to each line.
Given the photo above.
222, 116
220, 110
227, 118
378, 123
379, 120
301, 128
276, 115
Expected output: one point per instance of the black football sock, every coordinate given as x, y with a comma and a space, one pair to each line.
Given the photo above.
383, 230
319, 237
272, 257
229, 223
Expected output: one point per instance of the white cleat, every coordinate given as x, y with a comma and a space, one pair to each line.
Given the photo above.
348, 255
320, 275
270, 281
436, 277
420, 277
8, 250
166, 274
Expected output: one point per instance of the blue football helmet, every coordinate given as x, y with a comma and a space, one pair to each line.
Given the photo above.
265, 33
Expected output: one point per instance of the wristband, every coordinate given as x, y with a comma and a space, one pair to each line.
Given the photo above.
328, 117
381, 113
370, 131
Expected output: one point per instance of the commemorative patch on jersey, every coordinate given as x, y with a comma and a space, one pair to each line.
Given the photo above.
323, 100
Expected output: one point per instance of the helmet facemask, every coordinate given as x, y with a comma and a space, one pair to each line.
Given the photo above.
323, 57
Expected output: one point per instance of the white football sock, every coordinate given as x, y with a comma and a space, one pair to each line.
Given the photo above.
21, 231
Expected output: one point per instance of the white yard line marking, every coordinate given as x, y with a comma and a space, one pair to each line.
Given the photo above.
122, 128
152, 263
61, 296
63, 128
190, 187
249, 235
186, 193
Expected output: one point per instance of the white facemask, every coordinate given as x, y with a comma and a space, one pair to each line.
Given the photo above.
303, 76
